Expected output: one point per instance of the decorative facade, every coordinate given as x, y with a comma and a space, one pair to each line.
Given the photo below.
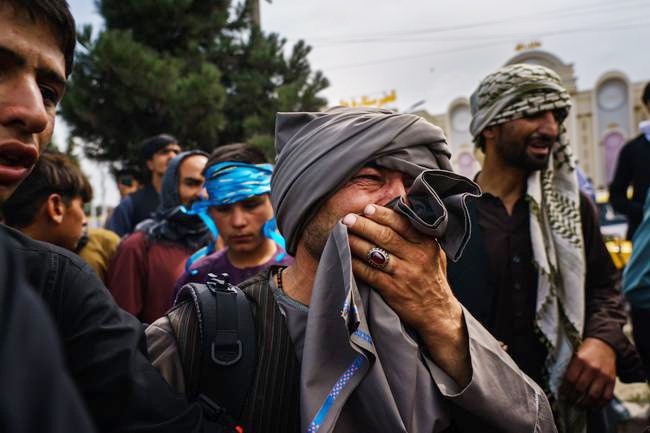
600, 122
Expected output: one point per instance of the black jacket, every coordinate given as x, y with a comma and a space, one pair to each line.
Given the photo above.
133, 209
37, 394
604, 315
103, 345
631, 170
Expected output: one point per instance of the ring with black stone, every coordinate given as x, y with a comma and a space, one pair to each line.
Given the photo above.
378, 257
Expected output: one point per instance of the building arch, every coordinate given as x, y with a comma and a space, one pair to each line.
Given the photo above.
551, 61
613, 117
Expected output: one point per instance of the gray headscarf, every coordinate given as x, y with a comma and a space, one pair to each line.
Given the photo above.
170, 223
318, 152
361, 369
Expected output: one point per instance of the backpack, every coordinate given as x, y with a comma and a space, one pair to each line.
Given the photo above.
228, 352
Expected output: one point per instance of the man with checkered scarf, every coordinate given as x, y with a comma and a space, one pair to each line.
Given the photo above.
544, 284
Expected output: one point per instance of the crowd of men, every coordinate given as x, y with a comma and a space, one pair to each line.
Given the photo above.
357, 284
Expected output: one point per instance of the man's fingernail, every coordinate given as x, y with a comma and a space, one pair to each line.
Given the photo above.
369, 210
350, 219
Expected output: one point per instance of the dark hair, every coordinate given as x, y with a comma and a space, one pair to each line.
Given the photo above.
646, 95
479, 142
129, 171
54, 173
240, 152
151, 145
56, 13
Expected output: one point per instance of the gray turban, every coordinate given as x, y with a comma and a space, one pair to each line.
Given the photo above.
318, 152
516, 91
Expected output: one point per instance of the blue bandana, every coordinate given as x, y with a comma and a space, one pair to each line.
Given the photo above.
228, 183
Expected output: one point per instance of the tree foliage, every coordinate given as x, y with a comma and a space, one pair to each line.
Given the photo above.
198, 69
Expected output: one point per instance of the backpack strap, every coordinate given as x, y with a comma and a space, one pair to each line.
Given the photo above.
227, 341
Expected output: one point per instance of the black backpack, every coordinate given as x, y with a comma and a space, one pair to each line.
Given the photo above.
227, 345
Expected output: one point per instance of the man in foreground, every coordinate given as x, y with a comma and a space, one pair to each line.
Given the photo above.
362, 332
32, 368
542, 280
100, 342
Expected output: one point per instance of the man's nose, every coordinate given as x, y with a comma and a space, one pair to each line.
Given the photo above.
22, 107
238, 217
549, 124
395, 188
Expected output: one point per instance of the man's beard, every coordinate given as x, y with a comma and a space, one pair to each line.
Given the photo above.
317, 231
516, 154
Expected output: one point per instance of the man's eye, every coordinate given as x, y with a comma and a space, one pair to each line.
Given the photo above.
251, 205
368, 177
50, 96
223, 209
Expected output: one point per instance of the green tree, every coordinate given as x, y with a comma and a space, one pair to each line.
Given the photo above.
198, 69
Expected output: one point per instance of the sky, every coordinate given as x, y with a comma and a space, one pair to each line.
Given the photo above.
431, 52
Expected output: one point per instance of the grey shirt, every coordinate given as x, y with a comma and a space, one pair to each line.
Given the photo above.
498, 393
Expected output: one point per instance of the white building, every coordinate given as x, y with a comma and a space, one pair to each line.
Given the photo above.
600, 122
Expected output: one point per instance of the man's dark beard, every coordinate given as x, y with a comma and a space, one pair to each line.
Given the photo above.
315, 235
516, 154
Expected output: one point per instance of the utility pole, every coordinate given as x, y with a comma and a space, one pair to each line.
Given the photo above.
255, 12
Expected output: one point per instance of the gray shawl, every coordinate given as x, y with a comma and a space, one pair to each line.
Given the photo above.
361, 368
171, 223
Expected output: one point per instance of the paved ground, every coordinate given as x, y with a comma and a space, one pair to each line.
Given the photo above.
636, 399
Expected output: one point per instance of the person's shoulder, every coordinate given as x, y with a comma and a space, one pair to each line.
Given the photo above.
216, 258
138, 193
134, 244
638, 142
258, 282
214, 263
104, 236
134, 240
59, 275
125, 205
29, 246
147, 191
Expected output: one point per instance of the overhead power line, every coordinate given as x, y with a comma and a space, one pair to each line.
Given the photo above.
483, 45
582, 11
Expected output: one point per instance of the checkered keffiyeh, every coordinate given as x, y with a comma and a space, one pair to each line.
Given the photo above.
510, 93
516, 91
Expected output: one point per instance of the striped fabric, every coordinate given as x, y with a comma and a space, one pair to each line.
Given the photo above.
273, 403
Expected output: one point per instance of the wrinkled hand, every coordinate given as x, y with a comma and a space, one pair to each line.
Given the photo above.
591, 375
414, 284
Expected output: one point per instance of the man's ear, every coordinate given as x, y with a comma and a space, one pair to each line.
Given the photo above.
150, 164
489, 133
55, 208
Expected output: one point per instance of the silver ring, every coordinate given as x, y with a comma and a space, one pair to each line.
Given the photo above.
378, 258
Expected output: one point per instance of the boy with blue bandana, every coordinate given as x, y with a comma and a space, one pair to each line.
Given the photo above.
238, 210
